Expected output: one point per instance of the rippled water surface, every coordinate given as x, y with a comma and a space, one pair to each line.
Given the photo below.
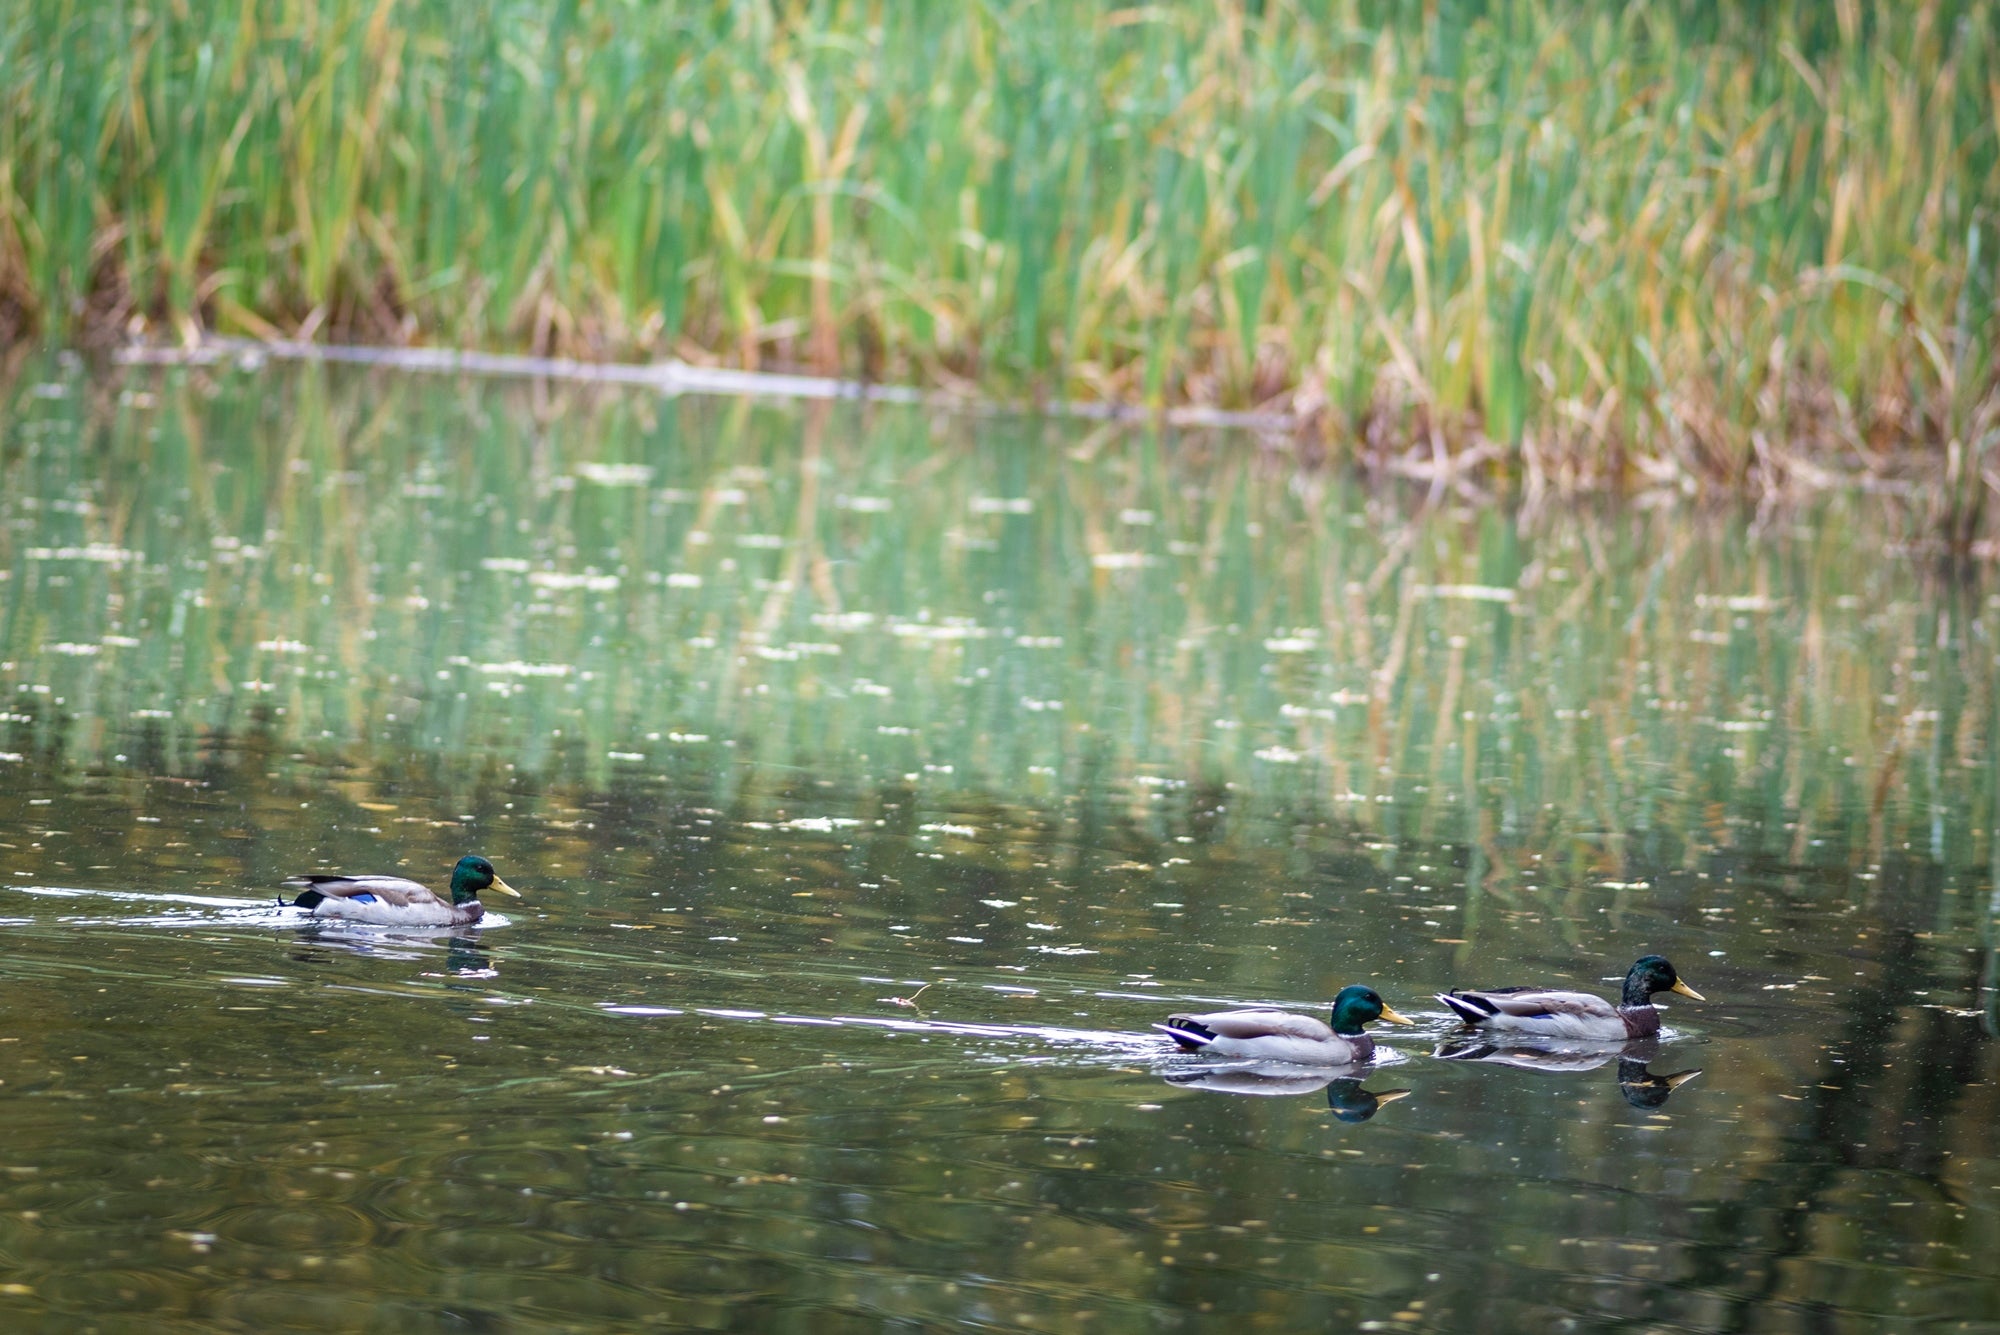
874, 782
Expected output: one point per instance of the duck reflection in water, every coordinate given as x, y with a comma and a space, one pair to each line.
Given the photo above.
466, 957
1641, 1087
1344, 1095
465, 954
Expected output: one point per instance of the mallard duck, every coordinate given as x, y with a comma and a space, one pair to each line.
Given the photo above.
1269, 1035
1558, 1014
395, 902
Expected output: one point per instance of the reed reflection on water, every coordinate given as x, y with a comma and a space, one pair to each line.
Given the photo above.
874, 782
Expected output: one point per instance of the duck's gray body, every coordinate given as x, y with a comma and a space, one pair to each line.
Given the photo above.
395, 901
1268, 1035
390, 900
1555, 1013
1576, 1015
1264, 1035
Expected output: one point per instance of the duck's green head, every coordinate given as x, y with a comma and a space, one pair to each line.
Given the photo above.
1358, 1005
1650, 974
474, 874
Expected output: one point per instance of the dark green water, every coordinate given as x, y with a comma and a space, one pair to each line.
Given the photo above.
777, 714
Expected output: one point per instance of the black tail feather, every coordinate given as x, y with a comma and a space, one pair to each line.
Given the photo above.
1469, 1009
308, 899
1191, 1035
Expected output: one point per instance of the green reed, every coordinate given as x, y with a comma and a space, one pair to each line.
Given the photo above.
1638, 242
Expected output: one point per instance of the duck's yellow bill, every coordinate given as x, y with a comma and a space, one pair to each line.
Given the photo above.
1686, 991
1390, 1095
504, 888
1389, 1014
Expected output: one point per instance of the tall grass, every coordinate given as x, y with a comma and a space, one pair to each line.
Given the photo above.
1648, 241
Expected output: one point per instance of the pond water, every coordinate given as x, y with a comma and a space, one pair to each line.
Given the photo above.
780, 714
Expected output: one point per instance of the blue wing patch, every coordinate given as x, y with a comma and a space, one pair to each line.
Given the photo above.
361, 899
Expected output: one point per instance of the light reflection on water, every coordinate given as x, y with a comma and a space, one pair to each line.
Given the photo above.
983, 745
